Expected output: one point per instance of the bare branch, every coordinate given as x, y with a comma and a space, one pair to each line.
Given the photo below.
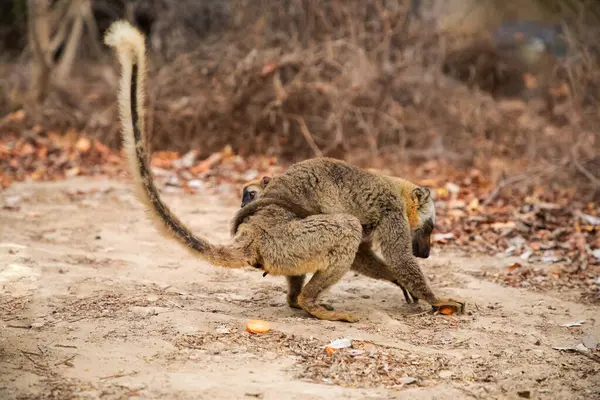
92, 28
520, 178
306, 133
60, 36
68, 56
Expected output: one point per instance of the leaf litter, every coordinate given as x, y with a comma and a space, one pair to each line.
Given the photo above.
361, 365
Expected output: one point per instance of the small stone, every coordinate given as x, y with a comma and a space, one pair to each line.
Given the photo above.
12, 202
445, 374
590, 342
38, 325
407, 380
144, 311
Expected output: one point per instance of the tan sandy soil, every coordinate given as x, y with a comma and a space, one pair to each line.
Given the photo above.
94, 304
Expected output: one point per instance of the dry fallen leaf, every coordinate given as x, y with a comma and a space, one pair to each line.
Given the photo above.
442, 192
268, 68
338, 344
427, 182
71, 172
18, 115
187, 160
83, 144
206, 164
473, 205
514, 266
100, 148
164, 159
503, 225
452, 188
588, 219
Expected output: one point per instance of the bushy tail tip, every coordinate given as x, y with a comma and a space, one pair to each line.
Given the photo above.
124, 36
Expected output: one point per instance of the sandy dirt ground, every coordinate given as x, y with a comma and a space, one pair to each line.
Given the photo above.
94, 304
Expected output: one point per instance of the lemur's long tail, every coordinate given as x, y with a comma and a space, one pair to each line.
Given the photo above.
129, 43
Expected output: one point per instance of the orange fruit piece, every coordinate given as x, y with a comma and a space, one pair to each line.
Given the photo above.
258, 326
447, 310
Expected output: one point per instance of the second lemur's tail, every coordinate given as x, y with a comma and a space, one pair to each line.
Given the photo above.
130, 47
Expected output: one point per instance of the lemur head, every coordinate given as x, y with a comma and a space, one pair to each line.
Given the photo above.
421, 218
253, 189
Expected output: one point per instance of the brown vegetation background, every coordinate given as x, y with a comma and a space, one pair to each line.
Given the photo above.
380, 83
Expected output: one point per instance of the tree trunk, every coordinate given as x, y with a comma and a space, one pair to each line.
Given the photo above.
39, 39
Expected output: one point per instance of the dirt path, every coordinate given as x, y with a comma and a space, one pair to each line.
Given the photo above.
94, 304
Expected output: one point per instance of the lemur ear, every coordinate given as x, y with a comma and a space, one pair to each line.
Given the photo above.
421, 195
265, 180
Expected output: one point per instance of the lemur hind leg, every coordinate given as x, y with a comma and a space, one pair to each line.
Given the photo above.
324, 244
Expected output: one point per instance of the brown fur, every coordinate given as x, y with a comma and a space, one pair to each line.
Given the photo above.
273, 238
366, 262
401, 214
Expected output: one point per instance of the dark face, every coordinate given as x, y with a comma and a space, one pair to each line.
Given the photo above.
421, 239
248, 195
